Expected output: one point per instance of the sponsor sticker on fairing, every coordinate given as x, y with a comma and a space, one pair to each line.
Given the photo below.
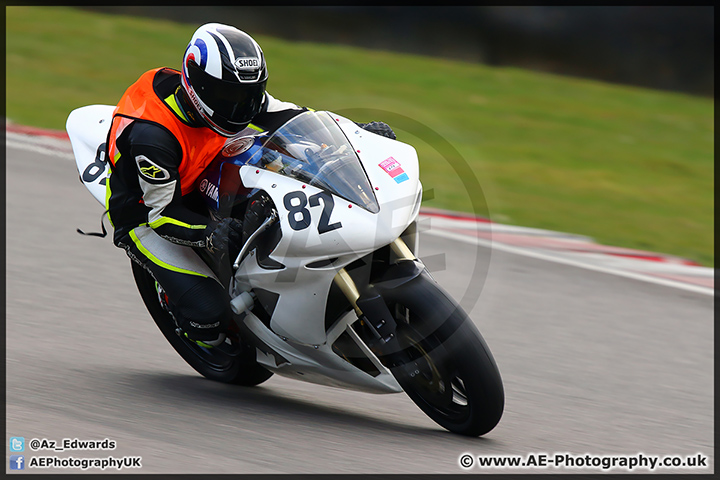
209, 189
237, 146
393, 168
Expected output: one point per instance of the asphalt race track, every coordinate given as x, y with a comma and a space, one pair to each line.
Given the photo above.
593, 364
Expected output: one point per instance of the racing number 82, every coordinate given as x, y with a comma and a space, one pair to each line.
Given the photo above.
296, 204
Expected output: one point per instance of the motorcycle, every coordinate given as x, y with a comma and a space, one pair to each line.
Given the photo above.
328, 288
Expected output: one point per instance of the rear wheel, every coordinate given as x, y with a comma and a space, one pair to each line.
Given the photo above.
228, 363
445, 366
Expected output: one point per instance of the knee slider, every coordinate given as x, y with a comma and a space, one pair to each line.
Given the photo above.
204, 310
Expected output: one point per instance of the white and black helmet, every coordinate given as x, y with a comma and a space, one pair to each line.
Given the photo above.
224, 76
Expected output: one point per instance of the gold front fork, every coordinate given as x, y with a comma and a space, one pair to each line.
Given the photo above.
346, 284
401, 250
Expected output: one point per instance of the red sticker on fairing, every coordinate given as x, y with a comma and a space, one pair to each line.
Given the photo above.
237, 146
393, 168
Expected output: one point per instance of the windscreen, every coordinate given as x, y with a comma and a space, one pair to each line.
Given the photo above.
312, 148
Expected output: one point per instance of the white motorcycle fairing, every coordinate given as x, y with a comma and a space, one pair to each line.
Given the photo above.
312, 257
297, 343
88, 128
327, 287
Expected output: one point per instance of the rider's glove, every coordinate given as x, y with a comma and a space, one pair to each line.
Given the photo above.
271, 160
224, 239
379, 128
269, 156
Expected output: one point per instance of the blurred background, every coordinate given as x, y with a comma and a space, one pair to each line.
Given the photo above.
593, 120
666, 47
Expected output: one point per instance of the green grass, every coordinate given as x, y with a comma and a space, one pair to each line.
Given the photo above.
627, 166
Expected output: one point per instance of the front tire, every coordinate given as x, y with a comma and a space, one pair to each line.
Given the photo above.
447, 368
238, 367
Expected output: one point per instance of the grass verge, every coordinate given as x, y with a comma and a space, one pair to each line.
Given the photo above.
629, 167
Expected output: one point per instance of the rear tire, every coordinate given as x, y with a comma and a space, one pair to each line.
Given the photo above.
447, 368
237, 367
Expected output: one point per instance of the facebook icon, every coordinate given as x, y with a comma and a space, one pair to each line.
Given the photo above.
17, 462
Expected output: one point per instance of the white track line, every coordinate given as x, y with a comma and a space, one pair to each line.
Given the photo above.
567, 261
53, 147
48, 146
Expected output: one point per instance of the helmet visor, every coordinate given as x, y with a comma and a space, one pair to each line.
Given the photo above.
233, 104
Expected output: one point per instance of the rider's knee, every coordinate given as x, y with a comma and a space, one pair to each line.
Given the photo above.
203, 311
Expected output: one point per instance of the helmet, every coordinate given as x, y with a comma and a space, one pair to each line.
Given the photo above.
224, 76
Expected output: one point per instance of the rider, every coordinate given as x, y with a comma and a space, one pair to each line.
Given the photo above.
166, 129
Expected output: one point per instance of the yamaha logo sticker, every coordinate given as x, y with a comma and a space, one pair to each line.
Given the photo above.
209, 189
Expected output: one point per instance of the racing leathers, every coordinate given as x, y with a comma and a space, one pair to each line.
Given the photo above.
158, 148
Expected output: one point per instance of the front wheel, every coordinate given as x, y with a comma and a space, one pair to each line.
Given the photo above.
227, 365
443, 363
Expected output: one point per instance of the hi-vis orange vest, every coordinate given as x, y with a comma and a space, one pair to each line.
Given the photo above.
140, 102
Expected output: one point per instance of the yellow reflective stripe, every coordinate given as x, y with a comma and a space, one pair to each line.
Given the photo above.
108, 193
198, 342
172, 102
256, 128
156, 260
163, 220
